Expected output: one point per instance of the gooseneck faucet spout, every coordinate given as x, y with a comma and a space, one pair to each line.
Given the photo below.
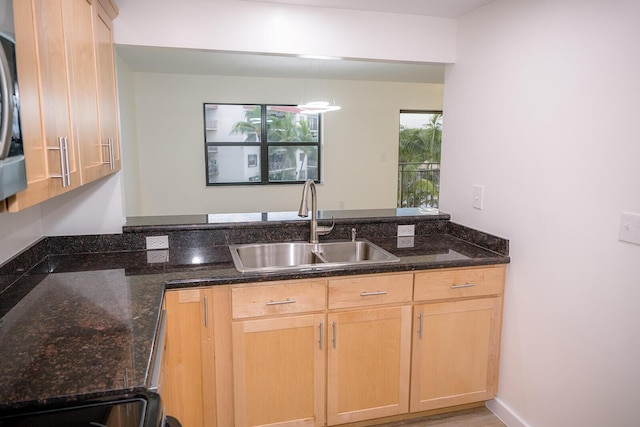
303, 212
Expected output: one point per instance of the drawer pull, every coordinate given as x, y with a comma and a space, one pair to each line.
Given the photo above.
286, 301
464, 285
369, 294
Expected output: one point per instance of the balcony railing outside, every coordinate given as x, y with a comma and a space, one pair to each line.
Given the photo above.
418, 185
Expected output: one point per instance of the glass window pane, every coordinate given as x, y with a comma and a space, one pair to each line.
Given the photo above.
293, 163
232, 123
290, 124
419, 159
229, 164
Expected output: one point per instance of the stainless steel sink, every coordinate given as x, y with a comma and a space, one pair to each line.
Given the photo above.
269, 257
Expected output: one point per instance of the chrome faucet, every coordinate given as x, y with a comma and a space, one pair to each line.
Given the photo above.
303, 212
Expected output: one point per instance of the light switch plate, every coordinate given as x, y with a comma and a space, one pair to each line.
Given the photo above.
478, 197
629, 228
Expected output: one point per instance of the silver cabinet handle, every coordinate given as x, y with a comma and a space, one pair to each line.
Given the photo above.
335, 337
206, 312
63, 168
66, 156
368, 294
320, 341
286, 301
112, 156
420, 323
65, 173
109, 146
464, 285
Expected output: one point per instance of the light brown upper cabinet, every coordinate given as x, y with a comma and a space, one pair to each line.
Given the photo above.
107, 103
65, 64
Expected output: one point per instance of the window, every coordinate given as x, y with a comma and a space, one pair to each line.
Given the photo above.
419, 159
260, 144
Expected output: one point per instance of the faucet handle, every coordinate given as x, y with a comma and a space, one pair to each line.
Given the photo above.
323, 229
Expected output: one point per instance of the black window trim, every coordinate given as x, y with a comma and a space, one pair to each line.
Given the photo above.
264, 145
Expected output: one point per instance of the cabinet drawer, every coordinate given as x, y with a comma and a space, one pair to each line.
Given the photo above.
371, 290
281, 298
459, 283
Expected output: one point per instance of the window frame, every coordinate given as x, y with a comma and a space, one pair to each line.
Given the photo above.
264, 144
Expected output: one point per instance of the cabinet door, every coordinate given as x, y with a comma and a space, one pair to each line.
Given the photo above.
189, 372
368, 364
279, 371
455, 353
106, 90
50, 149
81, 70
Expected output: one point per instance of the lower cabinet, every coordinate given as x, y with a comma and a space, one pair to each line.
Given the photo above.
456, 345
189, 357
333, 351
454, 353
369, 347
368, 364
279, 371
197, 379
279, 353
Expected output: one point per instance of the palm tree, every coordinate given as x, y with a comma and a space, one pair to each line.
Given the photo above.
420, 150
249, 127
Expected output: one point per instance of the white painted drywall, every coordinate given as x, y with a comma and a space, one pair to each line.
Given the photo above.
18, 231
240, 26
96, 208
542, 108
360, 147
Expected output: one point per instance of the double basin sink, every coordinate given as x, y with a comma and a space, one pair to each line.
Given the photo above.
273, 257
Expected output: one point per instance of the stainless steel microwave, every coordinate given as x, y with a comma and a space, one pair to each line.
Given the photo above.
13, 177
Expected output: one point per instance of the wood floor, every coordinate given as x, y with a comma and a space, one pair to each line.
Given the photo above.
476, 417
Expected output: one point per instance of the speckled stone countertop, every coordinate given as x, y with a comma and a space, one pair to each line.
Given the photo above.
74, 335
80, 322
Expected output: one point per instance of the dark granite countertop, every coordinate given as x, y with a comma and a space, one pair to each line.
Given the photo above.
76, 335
82, 324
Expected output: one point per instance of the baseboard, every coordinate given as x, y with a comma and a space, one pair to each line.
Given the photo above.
505, 413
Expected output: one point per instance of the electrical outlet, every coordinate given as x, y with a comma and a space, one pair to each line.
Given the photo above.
157, 256
405, 242
157, 242
406, 230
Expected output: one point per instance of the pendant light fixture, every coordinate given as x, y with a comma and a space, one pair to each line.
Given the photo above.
318, 107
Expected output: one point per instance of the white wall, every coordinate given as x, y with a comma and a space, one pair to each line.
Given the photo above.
360, 142
18, 231
542, 109
247, 26
96, 208
128, 136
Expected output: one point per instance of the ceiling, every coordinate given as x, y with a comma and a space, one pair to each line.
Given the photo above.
439, 8
204, 62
